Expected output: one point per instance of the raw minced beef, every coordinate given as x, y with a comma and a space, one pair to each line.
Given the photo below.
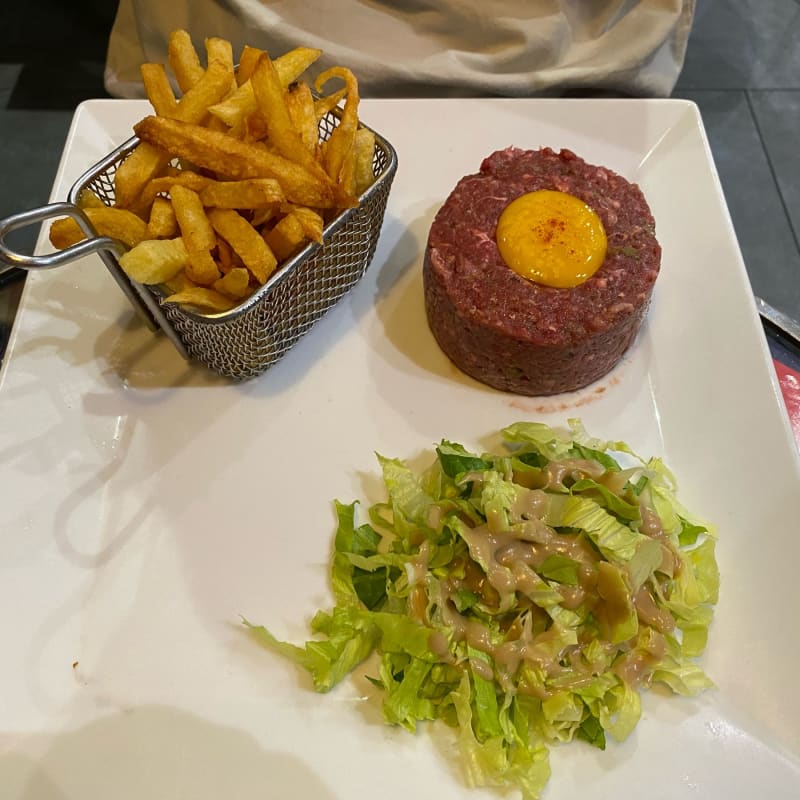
517, 335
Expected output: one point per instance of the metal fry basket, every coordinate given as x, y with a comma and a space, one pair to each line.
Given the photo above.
245, 341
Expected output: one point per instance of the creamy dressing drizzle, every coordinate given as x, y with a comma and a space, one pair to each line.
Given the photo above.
417, 567
510, 560
635, 665
651, 526
574, 468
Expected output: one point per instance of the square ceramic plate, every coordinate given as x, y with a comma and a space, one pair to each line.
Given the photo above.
147, 504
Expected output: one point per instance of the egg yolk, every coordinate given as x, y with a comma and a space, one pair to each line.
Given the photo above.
551, 238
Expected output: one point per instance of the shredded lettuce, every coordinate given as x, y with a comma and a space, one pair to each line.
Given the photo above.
523, 598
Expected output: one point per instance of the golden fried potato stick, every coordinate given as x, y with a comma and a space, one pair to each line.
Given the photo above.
300, 104
155, 260
237, 106
201, 87
341, 139
235, 160
290, 66
162, 223
183, 60
283, 135
325, 104
179, 283
311, 223
244, 240
135, 171
250, 193
158, 89
347, 174
88, 199
263, 215
364, 144
212, 86
247, 63
253, 128
202, 298
113, 222
286, 237
224, 256
235, 283
161, 185
197, 235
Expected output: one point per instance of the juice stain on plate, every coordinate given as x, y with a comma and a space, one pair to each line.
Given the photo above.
560, 404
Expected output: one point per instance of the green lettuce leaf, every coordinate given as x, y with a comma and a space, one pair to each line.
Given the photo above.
520, 610
456, 460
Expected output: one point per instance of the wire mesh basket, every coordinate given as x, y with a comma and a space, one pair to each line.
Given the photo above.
245, 341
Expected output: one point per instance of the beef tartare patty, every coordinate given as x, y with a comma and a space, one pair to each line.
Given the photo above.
517, 335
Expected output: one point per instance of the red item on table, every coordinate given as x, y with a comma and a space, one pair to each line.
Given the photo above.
789, 380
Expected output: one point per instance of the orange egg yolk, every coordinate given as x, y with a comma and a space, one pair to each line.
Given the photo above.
551, 238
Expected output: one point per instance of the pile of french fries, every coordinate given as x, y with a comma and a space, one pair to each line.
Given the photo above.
231, 179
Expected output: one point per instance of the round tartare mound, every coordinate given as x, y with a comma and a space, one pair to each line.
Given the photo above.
519, 336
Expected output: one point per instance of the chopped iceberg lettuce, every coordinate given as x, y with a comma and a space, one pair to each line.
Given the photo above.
524, 598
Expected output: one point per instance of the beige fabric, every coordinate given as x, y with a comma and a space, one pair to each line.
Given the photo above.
431, 47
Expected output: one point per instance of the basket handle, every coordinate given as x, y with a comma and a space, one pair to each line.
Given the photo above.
11, 259
107, 248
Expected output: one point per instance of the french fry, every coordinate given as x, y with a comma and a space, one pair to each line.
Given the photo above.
64, 233
155, 260
244, 240
242, 102
263, 215
230, 177
202, 298
300, 104
237, 106
195, 228
235, 283
251, 193
347, 174
214, 84
286, 237
115, 223
183, 60
184, 177
162, 223
364, 145
340, 145
197, 235
179, 283
290, 66
311, 223
88, 199
158, 89
282, 134
248, 59
224, 256
253, 128
234, 159
141, 166
323, 105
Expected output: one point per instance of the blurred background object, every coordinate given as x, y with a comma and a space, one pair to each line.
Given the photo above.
432, 48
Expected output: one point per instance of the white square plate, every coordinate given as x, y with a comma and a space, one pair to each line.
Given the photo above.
147, 504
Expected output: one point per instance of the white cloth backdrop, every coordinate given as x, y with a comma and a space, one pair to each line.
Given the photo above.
431, 47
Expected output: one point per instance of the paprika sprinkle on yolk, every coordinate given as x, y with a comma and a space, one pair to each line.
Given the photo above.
551, 238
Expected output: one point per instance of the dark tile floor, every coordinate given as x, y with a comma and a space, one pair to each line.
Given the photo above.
742, 69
